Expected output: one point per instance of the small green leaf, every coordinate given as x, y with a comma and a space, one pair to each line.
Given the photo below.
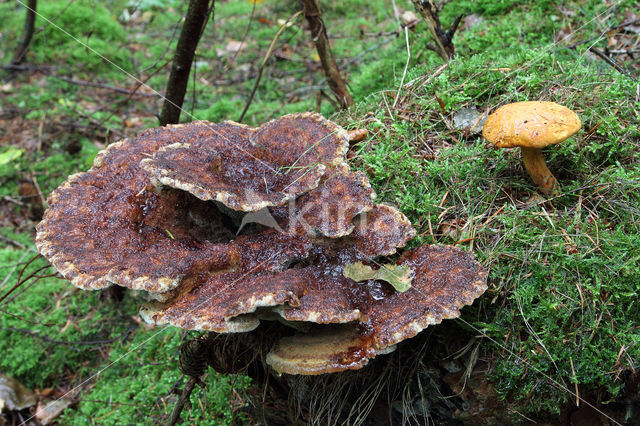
10, 155
399, 276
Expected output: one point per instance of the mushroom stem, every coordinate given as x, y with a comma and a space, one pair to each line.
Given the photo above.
537, 169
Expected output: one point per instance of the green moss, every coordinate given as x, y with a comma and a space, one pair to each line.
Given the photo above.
562, 307
135, 388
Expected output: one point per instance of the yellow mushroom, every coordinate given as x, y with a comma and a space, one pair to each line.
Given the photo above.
532, 126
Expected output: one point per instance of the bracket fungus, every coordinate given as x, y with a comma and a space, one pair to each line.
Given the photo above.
159, 213
532, 126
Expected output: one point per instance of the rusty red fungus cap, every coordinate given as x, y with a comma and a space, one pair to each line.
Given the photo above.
161, 213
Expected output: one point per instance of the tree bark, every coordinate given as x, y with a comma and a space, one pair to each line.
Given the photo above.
192, 29
331, 71
27, 33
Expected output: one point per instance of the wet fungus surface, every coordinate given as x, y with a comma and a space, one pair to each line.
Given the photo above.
161, 213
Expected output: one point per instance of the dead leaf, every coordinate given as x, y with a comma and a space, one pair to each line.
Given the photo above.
133, 122
284, 52
409, 19
47, 413
469, 118
451, 228
46, 392
14, 395
357, 135
232, 46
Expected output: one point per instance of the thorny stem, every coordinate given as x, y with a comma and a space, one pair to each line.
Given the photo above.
539, 172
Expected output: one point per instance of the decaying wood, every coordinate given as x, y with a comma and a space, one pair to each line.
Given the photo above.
329, 66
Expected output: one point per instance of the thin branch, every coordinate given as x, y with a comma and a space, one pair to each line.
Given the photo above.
264, 62
321, 40
185, 396
27, 33
610, 61
603, 33
103, 86
14, 243
20, 281
196, 18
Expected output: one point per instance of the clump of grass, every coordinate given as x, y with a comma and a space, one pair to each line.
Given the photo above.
562, 306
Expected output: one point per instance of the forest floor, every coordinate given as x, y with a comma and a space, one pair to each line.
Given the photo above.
555, 339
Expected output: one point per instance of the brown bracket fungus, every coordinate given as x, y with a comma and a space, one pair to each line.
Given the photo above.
446, 279
110, 225
160, 213
532, 126
248, 169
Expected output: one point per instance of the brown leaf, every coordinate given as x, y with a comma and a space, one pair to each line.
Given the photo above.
14, 395
46, 413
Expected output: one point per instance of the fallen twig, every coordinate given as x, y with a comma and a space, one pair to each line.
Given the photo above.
14, 243
610, 61
104, 86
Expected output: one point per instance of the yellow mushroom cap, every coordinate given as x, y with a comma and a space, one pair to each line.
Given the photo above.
533, 124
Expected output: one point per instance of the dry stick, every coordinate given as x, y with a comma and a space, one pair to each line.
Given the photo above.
264, 62
20, 282
321, 40
27, 33
194, 22
133, 92
611, 61
444, 39
102, 86
182, 400
14, 243
193, 361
